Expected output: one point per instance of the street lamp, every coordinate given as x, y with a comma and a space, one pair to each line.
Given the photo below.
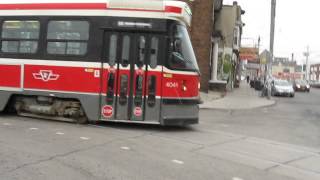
272, 26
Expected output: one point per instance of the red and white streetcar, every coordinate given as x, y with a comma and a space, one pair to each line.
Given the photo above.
111, 60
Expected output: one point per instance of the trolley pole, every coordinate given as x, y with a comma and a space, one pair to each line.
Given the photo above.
272, 27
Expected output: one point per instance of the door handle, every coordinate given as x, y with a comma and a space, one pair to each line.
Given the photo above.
110, 88
123, 89
138, 90
152, 85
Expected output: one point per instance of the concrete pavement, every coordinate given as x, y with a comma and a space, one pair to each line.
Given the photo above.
240, 98
279, 142
280, 139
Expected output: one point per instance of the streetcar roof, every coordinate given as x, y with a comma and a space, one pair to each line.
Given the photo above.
163, 9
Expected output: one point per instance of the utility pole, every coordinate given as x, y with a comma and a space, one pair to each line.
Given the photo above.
307, 54
272, 26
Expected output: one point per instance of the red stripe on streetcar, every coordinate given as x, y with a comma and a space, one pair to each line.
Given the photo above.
47, 6
10, 76
168, 9
173, 9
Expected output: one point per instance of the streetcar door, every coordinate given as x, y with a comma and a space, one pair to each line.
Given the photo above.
110, 71
128, 91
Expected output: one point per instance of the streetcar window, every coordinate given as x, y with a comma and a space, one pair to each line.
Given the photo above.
141, 55
20, 36
154, 52
113, 49
125, 51
68, 37
182, 55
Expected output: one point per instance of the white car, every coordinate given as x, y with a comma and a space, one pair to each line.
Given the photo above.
282, 88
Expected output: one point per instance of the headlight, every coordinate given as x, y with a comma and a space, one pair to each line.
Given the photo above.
298, 85
308, 86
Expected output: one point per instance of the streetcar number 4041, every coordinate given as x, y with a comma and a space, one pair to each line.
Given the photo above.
172, 84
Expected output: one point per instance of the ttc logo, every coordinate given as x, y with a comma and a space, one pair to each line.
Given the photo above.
46, 75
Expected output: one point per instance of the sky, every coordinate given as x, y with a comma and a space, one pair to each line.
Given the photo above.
297, 26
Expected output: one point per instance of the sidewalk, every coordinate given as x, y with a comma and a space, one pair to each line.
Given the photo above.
241, 98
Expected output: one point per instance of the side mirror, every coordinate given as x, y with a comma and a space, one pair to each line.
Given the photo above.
177, 59
177, 44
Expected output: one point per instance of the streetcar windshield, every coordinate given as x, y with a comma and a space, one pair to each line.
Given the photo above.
182, 54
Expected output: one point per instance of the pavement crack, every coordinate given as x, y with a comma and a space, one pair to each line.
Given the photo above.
228, 141
60, 156
297, 159
140, 136
79, 169
272, 167
217, 144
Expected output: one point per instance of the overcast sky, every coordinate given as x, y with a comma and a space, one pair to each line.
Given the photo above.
297, 26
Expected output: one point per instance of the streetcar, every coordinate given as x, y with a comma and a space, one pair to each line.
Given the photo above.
114, 60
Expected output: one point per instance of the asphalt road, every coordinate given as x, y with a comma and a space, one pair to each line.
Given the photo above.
278, 142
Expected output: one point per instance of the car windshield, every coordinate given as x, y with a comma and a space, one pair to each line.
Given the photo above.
301, 82
282, 83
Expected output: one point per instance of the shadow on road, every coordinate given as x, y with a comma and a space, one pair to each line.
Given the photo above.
114, 125
148, 127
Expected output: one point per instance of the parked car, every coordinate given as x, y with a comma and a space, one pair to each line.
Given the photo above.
314, 84
282, 88
301, 85
257, 84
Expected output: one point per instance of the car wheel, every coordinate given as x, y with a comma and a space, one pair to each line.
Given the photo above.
292, 95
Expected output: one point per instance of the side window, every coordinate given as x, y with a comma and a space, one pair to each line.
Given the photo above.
68, 37
20, 36
113, 49
141, 51
154, 52
125, 51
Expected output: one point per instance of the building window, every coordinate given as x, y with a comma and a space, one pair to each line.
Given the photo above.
20, 36
236, 37
68, 37
286, 70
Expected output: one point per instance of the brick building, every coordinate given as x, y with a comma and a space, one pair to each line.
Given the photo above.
283, 68
201, 31
215, 30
